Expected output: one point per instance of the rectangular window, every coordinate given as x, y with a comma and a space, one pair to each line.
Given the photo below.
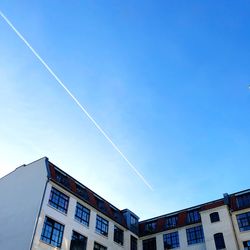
150, 227
102, 225
133, 224
246, 245
171, 222
118, 235
193, 216
244, 221
82, 192
59, 200
78, 242
149, 244
214, 217
62, 178
52, 232
98, 246
171, 240
219, 241
133, 243
82, 214
243, 200
195, 235
100, 204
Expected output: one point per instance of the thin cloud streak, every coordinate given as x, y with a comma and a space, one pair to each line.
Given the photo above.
76, 101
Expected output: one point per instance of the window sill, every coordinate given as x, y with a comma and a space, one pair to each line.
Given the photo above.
61, 212
50, 245
87, 226
105, 236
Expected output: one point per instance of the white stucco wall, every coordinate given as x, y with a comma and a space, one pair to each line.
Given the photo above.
21, 194
71, 224
224, 226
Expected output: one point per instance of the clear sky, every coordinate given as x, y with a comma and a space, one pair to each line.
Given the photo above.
167, 80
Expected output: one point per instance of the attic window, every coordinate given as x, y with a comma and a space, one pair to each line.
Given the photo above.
150, 227
100, 204
62, 178
82, 192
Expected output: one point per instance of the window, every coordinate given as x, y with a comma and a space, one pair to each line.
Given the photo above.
171, 240
171, 222
59, 200
193, 216
78, 242
214, 217
195, 235
243, 200
149, 244
244, 221
150, 227
82, 192
246, 245
117, 215
62, 178
52, 232
219, 241
102, 225
133, 243
133, 224
98, 246
82, 214
118, 235
100, 204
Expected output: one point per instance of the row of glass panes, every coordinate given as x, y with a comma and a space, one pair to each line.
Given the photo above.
52, 234
171, 240
172, 221
60, 201
194, 235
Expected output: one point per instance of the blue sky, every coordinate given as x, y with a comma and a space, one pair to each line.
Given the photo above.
167, 80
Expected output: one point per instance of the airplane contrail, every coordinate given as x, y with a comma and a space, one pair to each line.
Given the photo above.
76, 101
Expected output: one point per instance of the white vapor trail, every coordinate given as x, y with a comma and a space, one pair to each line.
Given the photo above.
76, 101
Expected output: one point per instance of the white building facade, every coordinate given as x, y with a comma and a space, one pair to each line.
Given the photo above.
43, 207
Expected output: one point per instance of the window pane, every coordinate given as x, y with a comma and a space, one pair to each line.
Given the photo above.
171, 222
133, 243
193, 216
149, 244
101, 225
219, 241
82, 214
243, 221
78, 242
171, 240
98, 246
214, 217
118, 235
59, 200
52, 232
195, 235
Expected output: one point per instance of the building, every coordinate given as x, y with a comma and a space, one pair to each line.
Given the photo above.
42, 207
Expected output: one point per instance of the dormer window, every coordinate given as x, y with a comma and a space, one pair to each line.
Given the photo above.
171, 221
243, 200
150, 227
193, 216
100, 204
82, 192
62, 178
